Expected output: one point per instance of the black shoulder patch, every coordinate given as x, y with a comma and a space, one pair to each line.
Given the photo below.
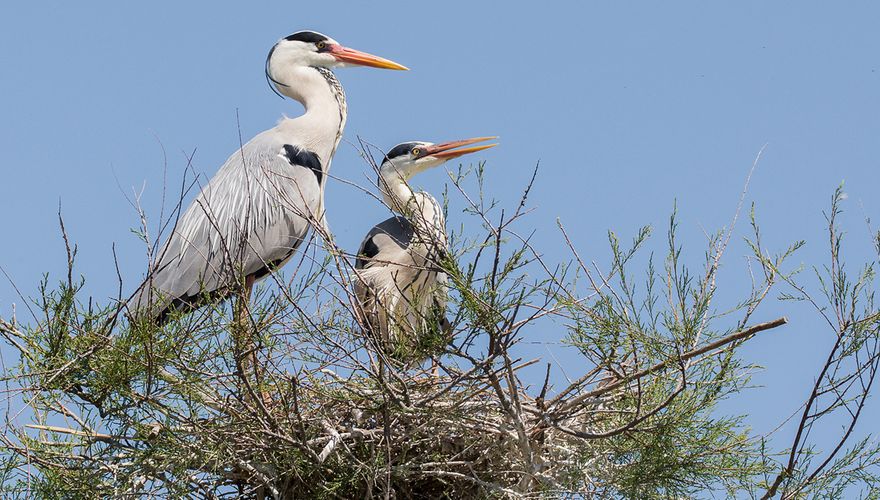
306, 36
400, 150
298, 156
369, 249
398, 231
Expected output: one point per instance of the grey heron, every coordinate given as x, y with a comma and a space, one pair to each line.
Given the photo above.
257, 209
399, 283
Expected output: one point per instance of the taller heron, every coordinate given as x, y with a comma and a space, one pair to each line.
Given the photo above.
399, 280
255, 212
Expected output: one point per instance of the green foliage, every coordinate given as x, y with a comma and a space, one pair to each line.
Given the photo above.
115, 408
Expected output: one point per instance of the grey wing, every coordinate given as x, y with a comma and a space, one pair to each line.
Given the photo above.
386, 267
251, 216
385, 244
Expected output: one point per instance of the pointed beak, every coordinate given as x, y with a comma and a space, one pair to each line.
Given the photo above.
447, 151
356, 57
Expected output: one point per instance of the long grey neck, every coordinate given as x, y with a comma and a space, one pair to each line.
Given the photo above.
399, 197
320, 128
396, 193
338, 94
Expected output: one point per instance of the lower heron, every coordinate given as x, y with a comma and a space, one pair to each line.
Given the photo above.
400, 284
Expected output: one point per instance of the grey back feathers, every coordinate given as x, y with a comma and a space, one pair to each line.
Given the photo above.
252, 215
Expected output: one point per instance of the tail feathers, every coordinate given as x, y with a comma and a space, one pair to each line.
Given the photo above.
150, 304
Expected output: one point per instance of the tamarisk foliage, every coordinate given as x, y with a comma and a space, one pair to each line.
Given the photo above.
98, 406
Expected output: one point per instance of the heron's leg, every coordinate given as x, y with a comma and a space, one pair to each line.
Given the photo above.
253, 347
391, 336
251, 334
245, 346
446, 328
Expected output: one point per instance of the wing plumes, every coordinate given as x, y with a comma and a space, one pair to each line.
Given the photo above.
248, 220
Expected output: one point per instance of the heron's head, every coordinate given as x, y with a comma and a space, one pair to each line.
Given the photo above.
313, 49
409, 158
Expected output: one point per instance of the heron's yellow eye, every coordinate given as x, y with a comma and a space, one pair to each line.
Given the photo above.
320, 45
416, 151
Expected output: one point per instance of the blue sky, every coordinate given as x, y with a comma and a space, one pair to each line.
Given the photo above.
629, 107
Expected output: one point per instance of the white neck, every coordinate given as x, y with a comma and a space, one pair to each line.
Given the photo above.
323, 99
397, 194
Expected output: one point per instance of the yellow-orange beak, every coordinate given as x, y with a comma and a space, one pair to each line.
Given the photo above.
447, 150
359, 58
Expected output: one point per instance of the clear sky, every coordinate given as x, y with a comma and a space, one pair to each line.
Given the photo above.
629, 106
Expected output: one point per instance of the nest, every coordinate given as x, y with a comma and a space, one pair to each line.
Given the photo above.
424, 436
